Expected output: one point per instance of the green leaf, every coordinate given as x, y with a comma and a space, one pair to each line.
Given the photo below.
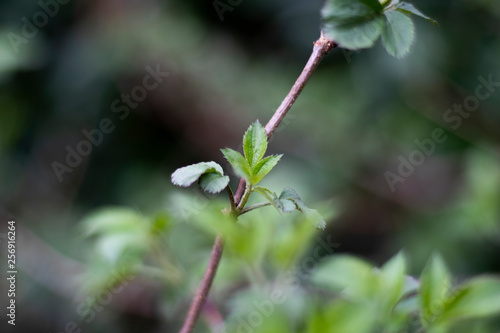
355, 34
288, 205
398, 34
254, 144
348, 9
112, 220
289, 197
393, 279
478, 298
186, 176
269, 195
213, 182
351, 275
410, 9
161, 223
343, 317
353, 24
238, 162
262, 168
314, 217
289, 193
117, 230
435, 284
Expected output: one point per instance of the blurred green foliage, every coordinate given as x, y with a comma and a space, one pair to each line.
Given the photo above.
359, 113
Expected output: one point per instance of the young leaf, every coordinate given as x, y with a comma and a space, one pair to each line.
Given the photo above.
408, 8
398, 34
254, 143
270, 196
215, 183
263, 167
238, 162
290, 198
288, 205
435, 284
479, 297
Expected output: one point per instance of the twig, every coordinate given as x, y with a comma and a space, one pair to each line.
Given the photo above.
256, 206
322, 47
206, 284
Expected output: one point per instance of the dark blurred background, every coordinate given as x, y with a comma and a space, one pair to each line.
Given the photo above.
79, 70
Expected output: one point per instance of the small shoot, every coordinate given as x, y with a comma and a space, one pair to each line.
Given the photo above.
253, 167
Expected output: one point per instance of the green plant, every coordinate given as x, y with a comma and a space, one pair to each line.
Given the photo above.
387, 300
354, 296
352, 24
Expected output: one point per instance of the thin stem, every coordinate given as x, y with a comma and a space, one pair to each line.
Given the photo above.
244, 198
206, 284
231, 198
322, 47
256, 206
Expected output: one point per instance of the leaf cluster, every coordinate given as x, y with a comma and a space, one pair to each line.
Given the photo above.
388, 299
253, 166
358, 24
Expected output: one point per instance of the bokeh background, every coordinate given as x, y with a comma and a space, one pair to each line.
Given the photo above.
358, 117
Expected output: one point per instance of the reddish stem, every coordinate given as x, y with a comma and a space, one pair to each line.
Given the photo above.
322, 47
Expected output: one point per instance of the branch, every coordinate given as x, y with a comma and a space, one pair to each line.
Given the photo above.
206, 284
256, 206
322, 47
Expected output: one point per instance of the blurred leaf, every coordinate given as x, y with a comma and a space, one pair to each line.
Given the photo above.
398, 34
478, 298
343, 316
288, 205
112, 219
353, 24
215, 183
360, 33
269, 195
410, 9
347, 9
162, 223
113, 246
435, 283
290, 243
288, 197
392, 278
118, 231
353, 276
251, 238
357, 24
